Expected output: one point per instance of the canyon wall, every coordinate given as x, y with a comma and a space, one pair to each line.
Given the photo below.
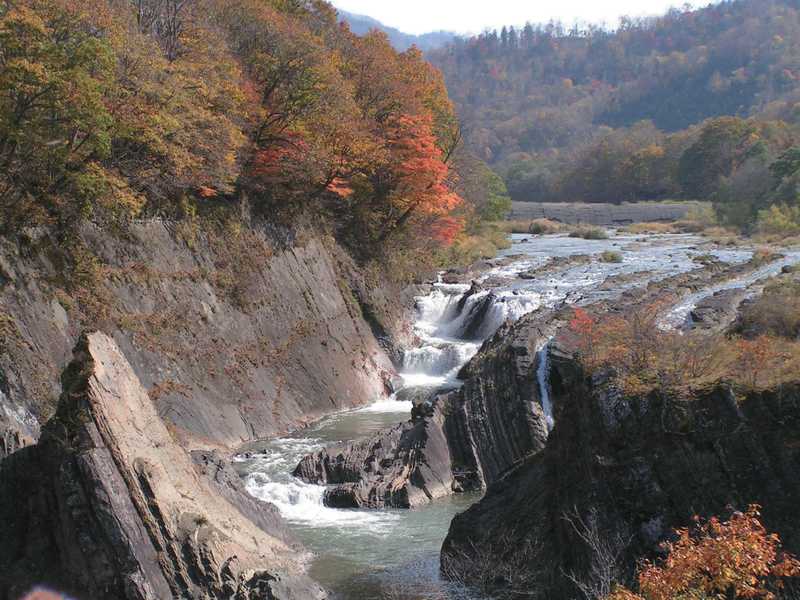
236, 335
617, 475
108, 505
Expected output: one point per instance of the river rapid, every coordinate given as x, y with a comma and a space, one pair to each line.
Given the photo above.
394, 554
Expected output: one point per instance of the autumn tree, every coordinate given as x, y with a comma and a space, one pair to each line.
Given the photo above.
418, 173
166, 107
729, 559
55, 128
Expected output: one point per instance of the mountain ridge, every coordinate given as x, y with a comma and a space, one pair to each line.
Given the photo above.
361, 24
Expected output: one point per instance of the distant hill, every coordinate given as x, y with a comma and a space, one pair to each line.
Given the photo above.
537, 99
361, 24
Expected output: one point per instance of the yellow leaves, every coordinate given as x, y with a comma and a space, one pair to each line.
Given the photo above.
621, 593
19, 26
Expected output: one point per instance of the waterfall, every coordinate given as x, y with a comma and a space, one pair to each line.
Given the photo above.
299, 502
453, 320
543, 378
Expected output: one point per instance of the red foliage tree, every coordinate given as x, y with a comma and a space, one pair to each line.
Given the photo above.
719, 559
418, 170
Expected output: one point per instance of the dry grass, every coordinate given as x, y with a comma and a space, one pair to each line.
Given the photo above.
545, 226
485, 243
722, 236
589, 233
653, 227
516, 226
610, 256
776, 239
534, 227
776, 312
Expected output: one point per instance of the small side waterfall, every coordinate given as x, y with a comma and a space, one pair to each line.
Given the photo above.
543, 378
363, 554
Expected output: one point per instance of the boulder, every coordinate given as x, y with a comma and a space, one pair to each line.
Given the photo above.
403, 466
108, 505
717, 311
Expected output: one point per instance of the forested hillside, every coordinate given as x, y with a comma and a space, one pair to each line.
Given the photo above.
117, 109
590, 114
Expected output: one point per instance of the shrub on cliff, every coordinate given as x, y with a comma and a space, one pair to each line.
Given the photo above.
718, 559
776, 312
642, 357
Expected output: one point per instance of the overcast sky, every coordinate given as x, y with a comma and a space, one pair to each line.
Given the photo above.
473, 16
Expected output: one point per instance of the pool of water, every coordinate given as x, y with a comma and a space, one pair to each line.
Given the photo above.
359, 555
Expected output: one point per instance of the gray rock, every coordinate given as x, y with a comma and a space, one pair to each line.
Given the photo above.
717, 311
108, 505
232, 348
457, 441
403, 466
623, 472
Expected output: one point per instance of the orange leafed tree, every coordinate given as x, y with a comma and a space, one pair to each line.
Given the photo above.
754, 357
418, 170
719, 559
445, 229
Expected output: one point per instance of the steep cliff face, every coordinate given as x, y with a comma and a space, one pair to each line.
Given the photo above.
236, 336
617, 474
108, 505
457, 441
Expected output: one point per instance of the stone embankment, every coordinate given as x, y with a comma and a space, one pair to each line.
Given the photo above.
609, 215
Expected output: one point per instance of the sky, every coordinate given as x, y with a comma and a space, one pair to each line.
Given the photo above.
473, 16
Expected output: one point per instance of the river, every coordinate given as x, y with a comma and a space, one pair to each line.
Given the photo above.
394, 554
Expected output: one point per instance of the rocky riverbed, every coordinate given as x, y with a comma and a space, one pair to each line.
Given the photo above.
370, 482
116, 500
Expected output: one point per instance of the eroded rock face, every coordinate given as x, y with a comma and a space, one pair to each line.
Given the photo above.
235, 341
108, 505
717, 311
404, 466
624, 472
458, 441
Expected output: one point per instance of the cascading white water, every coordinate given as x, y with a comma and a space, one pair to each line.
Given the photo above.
355, 549
438, 359
452, 323
269, 471
543, 379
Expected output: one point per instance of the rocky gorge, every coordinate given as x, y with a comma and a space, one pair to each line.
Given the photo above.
172, 491
211, 341
523, 410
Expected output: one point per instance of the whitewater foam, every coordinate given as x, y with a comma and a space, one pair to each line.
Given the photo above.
390, 405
